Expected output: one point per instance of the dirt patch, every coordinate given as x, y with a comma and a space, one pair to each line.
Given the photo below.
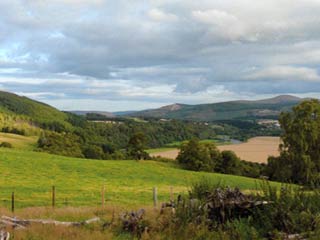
257, 149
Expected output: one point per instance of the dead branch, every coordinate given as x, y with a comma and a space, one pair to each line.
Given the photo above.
4, 235
22, 223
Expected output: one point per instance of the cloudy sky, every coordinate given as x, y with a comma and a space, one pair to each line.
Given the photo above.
135, 54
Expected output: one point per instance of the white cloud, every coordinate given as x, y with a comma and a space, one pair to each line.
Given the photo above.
161, 16
288, 73
221, 23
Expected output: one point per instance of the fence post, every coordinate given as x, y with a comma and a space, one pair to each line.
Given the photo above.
12, 202
171, 194
102, 196
53, 196
155, 197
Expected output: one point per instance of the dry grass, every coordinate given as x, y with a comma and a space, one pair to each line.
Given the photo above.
95, 231
257, 149
18, 141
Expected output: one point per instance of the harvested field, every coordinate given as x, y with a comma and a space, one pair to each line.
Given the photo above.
256, 149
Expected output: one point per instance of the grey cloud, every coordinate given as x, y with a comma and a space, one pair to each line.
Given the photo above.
188, 47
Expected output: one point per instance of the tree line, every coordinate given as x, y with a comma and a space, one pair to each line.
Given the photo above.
299, 160
198, 156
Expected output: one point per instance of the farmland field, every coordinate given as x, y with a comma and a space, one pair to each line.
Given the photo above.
256, 149
78, 182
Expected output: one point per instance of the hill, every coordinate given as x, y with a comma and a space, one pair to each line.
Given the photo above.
24, 113
78, 182
266, 108
12, 103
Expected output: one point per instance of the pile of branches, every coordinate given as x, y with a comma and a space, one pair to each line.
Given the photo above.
215, 207
134, 222
223, 205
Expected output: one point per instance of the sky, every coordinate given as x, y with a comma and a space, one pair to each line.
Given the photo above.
137, 54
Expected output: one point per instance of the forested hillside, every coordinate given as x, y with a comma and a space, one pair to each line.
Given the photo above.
268, 108
100, 137
25, 114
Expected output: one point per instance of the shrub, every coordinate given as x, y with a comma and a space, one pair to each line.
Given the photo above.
13, 130
6, 145
273, 213
94, 152
65, 144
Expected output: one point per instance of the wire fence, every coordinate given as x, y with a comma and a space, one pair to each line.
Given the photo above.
60, 197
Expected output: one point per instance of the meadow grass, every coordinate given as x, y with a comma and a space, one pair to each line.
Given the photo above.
78, 182
18, 141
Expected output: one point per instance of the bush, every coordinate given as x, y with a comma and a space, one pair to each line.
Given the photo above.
65, 144
273, 213
6, 145
201, 188
94, 152
230, 163
13, 130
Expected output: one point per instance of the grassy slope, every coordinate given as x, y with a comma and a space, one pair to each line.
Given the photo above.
78, 181
18, 141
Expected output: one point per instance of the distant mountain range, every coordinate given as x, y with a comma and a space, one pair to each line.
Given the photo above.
266, 108
243, 109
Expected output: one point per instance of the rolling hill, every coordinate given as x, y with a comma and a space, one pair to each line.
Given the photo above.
26, 114
19, 105
78, 182
267, 108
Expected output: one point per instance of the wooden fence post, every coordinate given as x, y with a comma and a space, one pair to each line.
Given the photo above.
12, 202
155, 197
53, 196
102, 196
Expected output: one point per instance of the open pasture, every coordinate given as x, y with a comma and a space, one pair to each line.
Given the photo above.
78, 182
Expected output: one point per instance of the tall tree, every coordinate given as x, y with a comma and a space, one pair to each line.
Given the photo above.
136, 147
300, 150
199, 157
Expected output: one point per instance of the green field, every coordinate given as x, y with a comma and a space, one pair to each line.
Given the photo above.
79, 181
18, 141
156, 150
